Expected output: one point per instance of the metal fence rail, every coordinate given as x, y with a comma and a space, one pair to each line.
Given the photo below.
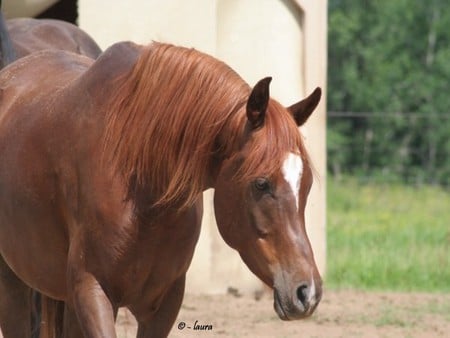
386, 147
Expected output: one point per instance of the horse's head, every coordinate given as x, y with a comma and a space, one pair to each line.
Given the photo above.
260, 197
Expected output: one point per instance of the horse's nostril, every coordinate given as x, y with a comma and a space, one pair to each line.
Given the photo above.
302, 294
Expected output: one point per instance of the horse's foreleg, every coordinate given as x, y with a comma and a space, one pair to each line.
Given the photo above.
161, 322
71, 327
15, 307
92, 307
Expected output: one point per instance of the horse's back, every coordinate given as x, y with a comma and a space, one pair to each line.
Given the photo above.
48, 97
37, 78
46, 71
45, 64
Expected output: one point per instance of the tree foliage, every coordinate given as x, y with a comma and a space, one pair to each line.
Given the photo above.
391, 61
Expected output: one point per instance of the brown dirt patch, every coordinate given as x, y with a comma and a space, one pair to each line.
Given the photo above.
341, 314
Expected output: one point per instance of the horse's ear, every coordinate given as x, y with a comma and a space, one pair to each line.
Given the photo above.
303, 109
257, 103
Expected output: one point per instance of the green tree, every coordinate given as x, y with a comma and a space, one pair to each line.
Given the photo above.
390, 60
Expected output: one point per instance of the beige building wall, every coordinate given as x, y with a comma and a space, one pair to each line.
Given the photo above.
281, 38
25, 8
189, 23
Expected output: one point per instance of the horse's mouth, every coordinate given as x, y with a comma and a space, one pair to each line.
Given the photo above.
290, 311
278, 306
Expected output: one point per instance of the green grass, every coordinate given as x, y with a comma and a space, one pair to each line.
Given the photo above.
388, 237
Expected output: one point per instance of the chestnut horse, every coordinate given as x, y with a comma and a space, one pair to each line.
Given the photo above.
103, 166
18, 38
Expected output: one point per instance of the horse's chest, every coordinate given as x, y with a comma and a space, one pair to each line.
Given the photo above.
155, 262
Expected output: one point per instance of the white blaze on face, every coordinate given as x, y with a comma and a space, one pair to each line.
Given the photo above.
292, 171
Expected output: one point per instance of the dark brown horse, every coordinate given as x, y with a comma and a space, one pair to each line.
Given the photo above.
7, 53
30, 35
103, 166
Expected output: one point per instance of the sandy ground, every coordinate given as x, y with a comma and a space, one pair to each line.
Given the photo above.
341, 314
346, 314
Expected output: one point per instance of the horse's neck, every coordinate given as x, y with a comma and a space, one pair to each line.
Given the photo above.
116, 61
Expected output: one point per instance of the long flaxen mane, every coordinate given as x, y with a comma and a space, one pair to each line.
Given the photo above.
164, 120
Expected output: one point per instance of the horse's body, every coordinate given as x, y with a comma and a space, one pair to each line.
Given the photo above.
103, 165
18, 38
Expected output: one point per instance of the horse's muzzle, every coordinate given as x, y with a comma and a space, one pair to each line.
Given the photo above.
298, 303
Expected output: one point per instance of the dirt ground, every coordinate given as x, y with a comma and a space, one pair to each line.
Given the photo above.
340, 314
348, 314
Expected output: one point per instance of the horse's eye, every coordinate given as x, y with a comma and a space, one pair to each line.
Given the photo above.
262, 184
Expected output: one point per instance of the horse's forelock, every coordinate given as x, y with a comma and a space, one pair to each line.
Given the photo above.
269, 145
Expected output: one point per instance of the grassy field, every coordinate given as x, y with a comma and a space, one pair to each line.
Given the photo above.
388, 237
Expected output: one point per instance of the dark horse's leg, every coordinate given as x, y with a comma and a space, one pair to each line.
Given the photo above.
71, 327
162, 321
36, 312
50, 315
15, 308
